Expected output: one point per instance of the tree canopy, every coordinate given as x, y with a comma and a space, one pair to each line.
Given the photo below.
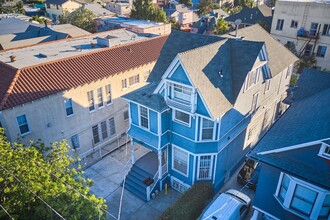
144, 10
33, 176
83, 19
206, 6
221, 26
186, 2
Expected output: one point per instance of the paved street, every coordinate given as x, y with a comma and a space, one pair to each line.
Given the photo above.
109, 173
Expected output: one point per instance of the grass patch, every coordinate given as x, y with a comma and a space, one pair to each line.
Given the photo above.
191, 204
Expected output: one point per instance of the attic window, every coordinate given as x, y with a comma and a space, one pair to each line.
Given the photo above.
325, 151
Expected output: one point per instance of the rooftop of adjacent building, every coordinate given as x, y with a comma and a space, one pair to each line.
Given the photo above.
56, 50
132, 22
14, 23
315, 1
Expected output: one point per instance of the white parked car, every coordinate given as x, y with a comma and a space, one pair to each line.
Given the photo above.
231, 205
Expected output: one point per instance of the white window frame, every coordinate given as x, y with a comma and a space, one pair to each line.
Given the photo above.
252, 78
267, 85
104, 131
27, 124
324, 151
133, 80
255, 103
201, 130
210, 168
180, 121
124, 84
99, 96
98, 134
279, 24
286, 203
173, 158
126, 113
147, 117
108, 94
91, 101
112, 129
66, 102
182, 96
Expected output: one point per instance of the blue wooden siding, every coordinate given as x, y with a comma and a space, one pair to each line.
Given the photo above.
179, 75
153, 121
184, 130
134, 113
165, 117
146, 145
229, 120
229, 158
201, 109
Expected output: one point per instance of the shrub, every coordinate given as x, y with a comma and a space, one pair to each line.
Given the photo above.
191, 204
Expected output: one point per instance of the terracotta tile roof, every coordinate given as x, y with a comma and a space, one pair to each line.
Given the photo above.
19, 86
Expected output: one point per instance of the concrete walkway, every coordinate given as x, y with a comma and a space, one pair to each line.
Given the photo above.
109, 173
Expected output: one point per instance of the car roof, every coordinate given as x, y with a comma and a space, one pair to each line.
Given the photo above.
240, 195
223, 207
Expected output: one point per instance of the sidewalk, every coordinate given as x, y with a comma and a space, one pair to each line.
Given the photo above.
109, 173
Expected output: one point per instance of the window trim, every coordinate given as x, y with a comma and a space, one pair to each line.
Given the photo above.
148, 117
188, 160
134, 80
92, 100
279, 27
98, 134
319, 49
79, 146
108, 94
114, 126
183, 88
211, 167
294, 22
124, 113
27, 123
66, 113
286, 204
252, 78
179, 121
201, 130
100, 100
326, 30
322, 152
124, 84
254, 109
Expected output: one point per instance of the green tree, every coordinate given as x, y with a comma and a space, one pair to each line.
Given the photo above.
83, 19
30, 174
175, 24
221, 26
206, 6
186, 2
246, 3
144, 10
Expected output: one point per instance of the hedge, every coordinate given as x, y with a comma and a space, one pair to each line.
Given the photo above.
191, 204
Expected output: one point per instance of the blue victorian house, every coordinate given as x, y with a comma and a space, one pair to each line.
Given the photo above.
208, 102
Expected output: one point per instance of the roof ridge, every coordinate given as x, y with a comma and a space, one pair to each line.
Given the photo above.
92, 52
10, 88
202, 47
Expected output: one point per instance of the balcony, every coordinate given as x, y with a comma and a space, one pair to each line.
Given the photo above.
312, 34
185, 106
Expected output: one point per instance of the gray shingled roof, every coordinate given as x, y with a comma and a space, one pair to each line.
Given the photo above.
279, 56
306, 120
177, 42
145, 96
234, 58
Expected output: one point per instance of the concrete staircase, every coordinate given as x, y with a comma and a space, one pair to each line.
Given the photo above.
134, 182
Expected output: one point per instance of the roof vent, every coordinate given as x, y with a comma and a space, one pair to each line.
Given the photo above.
12, 58
251, 16
108, 41
220, 73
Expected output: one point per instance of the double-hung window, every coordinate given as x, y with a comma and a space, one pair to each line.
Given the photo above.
96, 136
100, 97
303, 200
252, 78
182, 93
108, 96
23, 124
180, 160
104, 130
279, 24
321, 50
205, 167
207, 129
68, 107
134, 80
313, 29
294, 24
255, 102
326, 30
75, 141
124, 84
182, 117
144, 117
91, 103
112, 126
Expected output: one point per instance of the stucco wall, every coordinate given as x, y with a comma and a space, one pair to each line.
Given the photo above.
69, 6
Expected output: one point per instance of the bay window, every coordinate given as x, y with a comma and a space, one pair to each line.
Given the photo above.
180, 160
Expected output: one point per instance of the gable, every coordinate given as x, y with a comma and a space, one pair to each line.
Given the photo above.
179, 75
201, 108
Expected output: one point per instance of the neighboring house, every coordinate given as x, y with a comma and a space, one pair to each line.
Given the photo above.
294, 182
304, 26
118, 7
181, 14
35, 35
70, 89
206, 24
10, 24
262, 14
98, 10
205, 107
136, 26
55, 8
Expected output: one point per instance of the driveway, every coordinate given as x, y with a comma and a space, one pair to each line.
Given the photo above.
109, 173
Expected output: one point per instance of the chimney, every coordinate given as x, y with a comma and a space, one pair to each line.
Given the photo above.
12, 58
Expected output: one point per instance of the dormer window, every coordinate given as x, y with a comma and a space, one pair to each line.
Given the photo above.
325, 151
182, 93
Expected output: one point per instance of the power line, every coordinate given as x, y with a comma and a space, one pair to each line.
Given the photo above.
33, 193
6, 212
